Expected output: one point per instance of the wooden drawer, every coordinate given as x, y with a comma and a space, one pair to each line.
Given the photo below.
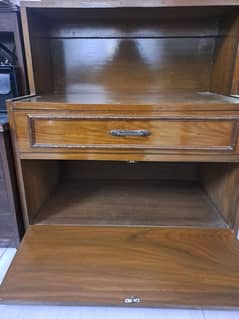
63, 132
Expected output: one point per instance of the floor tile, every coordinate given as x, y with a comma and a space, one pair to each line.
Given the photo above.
220, 314
5, 261
44, 312
2, 250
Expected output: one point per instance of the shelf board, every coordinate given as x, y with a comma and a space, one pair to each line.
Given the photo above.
124, 97
141, 202
165, 100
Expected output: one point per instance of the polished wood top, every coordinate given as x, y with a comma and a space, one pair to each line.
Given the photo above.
124, 97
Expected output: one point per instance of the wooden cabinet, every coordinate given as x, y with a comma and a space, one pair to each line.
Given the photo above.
127, 154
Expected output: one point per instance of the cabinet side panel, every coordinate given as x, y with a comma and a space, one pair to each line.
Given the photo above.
40, 179
222, 79
17, 163
28, 54
221, 182
235, 82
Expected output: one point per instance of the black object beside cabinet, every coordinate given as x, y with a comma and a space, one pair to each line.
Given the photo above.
11, 226
12, 83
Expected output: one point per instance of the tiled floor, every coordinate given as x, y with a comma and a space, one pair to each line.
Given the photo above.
54, 312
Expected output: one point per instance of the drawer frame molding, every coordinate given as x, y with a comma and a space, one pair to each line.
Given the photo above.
34, 144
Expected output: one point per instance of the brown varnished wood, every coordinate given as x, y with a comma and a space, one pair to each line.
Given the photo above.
89, 98
18, 166
40, 52
45, 131
61, 19
146, 156
39, 178
235, 79
105, 265
220, 182
97, 64
224, 65
182, 105
155, 44
94, 133
105, 193
141, 202
173, 104
113, 193
113, 170
27, 46
137, 65
109, 24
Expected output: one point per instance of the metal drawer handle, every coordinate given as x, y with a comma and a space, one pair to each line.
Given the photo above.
130, 132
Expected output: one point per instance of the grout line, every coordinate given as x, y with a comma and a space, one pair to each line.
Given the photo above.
4, 249
203, 313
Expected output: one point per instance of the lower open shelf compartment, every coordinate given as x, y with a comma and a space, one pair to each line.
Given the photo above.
130, 202
95, 193
174, 243
108, 265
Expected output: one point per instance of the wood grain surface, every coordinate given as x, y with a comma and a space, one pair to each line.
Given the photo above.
141, 202
173, 126
162, 47
221, 184
118, 74
91, 98
139, 65
73, 132
40, 179
225, 61
105, 265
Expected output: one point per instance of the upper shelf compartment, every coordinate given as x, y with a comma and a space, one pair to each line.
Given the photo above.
133, 50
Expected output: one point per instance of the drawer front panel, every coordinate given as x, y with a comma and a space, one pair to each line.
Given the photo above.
40, 132
130, 133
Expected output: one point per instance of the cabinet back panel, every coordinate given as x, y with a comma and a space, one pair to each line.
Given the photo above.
132, 64
127, 171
